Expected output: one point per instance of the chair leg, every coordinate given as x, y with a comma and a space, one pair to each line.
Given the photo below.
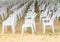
44, 29
2, 29
34, 27
22, 30
2, 17
52, 28
5, 15
32, 30
55, 18
13, 29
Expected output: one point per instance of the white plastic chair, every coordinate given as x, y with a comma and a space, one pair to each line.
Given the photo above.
32, 19
43, 15
22, 10
41, 7
58, 14
15, 7
10, 21
1, 15
3, 12
29, 23
48, 22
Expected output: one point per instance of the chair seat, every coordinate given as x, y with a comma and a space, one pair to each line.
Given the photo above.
47, 23
27, 25
8, 21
